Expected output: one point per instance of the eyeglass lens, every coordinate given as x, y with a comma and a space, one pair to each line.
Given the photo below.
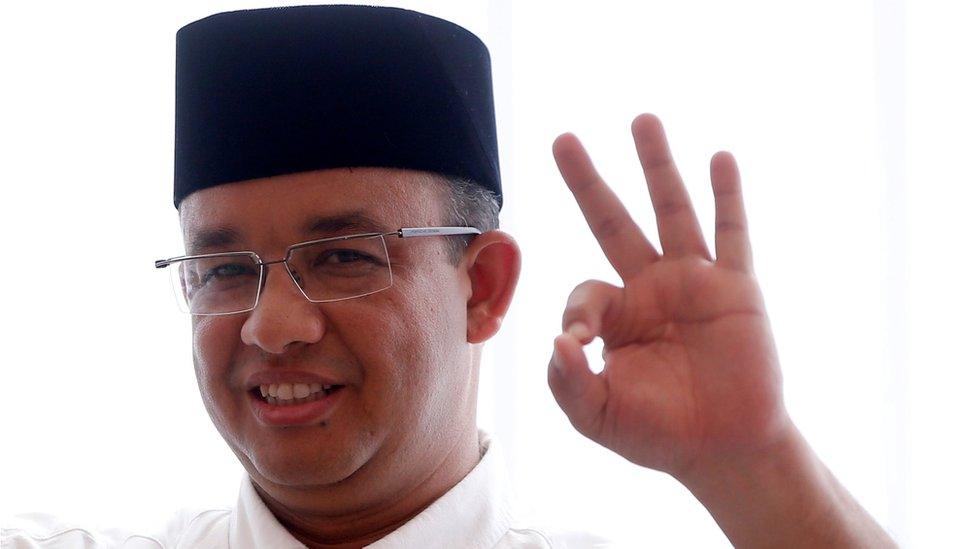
326, 271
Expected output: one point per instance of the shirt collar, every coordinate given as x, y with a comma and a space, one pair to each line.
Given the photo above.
475, 512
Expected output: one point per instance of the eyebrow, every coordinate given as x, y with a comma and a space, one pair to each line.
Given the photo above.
356, 220
314, 226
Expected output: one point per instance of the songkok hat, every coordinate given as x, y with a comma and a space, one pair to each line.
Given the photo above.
275, 91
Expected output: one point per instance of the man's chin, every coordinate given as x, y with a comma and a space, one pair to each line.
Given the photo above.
297, 470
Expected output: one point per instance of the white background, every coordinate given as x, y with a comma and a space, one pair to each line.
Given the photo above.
852, 123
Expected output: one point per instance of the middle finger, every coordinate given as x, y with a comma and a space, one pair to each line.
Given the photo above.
677, 224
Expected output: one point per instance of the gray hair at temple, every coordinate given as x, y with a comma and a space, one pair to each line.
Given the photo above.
465, 204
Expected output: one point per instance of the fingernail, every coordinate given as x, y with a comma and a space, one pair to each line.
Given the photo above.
578, 330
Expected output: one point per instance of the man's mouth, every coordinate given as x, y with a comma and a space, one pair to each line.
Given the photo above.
287, 394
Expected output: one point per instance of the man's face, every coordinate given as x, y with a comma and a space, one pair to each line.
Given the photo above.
401, 354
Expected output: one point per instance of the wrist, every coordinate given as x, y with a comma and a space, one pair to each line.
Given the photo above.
782, 495
767, 496
781, 455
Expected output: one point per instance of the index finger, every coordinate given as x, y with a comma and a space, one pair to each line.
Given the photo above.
622, 241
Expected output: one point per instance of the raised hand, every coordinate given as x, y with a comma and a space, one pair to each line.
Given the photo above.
691, 372
692, 384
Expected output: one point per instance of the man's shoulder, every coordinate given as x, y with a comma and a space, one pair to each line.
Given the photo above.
186, 527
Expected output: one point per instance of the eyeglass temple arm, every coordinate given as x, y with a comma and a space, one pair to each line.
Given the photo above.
435, 231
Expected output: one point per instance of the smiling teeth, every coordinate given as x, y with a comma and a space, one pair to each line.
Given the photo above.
293, 393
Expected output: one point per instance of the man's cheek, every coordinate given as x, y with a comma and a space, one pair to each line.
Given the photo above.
215, 339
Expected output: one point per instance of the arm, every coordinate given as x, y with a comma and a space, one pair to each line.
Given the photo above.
692, 384
785, 497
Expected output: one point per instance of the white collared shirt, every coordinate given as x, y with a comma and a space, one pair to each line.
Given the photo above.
476, 513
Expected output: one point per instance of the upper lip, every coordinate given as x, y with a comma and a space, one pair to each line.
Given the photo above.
269, 377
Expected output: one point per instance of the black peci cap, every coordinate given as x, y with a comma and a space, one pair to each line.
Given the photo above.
275, 91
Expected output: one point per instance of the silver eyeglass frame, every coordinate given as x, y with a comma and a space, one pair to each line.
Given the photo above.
404, 232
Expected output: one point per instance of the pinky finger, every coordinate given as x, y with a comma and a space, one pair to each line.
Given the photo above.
732, 247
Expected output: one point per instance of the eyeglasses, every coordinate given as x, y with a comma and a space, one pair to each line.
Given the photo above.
330, 269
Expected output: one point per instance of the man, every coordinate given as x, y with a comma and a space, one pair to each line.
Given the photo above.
336, 180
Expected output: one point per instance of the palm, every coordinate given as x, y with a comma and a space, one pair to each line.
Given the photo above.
683, 330
691, 369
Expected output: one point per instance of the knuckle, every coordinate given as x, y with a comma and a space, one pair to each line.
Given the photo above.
585, 301
588, 284
585, 184
672, 207
726, 186
726, 191
609, 227
658, 162
729, 226
572, 314
582, 291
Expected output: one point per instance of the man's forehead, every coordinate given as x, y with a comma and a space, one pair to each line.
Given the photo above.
313, 204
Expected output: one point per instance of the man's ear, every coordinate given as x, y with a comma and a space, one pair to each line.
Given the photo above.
493, 262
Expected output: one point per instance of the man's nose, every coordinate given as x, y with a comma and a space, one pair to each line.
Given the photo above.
283, 315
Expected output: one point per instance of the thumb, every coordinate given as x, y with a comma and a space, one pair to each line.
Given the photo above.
580, 393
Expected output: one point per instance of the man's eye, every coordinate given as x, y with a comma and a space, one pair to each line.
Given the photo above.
228, 270
336, 257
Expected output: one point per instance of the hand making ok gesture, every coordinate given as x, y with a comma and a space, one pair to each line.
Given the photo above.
691, 369
692, 384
